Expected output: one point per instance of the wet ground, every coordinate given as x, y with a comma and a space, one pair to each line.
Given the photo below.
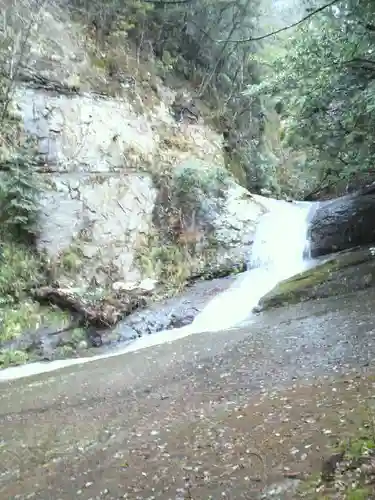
238, 414
45, 343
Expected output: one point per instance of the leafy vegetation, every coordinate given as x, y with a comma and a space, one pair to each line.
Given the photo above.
20, 270
71, 259
349, 472
20, 183
194, 40
12, 357
321, 81
296, 111
193, 181
19, 190
168, 262
27, 316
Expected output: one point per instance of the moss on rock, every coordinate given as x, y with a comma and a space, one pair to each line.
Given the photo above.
344, 273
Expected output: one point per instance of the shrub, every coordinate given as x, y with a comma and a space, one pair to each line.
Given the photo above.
168, 263
9, 357
20, 270
20, 182
194, 180
19, 190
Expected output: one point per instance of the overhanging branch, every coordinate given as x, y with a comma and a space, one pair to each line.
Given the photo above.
171, 2
280, 30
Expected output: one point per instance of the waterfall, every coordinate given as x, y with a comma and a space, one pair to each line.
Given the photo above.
280, 250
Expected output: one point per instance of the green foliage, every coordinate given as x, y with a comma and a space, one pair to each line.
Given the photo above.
20, 270
185, 247
196, 40
359, 446
20, 183
112, 16
358, 494
194, 181
18, 318
322, 81
19, 190
10, 357
65, 351
71, 259
167, 262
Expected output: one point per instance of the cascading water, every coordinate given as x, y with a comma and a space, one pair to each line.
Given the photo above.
280, 250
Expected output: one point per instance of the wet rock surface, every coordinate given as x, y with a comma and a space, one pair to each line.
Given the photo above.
177, 311
234, 414
343, 223
48, 343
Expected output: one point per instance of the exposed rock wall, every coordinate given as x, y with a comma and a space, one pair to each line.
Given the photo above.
94, 199
102, 145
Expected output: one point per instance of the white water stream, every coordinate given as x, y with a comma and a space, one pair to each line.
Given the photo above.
280, 250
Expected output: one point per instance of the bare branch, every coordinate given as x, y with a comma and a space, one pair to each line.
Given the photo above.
171, 2
272, 33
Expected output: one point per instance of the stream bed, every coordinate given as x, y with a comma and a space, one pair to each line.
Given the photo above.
135, 425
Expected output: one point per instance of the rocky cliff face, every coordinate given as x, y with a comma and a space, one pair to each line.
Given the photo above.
108, 147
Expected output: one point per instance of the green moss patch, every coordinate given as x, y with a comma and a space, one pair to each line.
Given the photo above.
16, 320
10, 357
346, 272
28, 316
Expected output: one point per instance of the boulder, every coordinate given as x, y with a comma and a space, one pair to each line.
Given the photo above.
343, 223
146, 286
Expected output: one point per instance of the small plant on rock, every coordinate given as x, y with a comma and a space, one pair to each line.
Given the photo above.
196, 179
20, 270
169, 263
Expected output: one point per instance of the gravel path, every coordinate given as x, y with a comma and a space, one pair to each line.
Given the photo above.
233, 415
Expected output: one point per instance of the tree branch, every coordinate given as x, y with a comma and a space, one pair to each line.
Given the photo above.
366, 64
285, 28
171, 2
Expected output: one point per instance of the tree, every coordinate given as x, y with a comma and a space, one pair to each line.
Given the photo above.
19, 182
322, 80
